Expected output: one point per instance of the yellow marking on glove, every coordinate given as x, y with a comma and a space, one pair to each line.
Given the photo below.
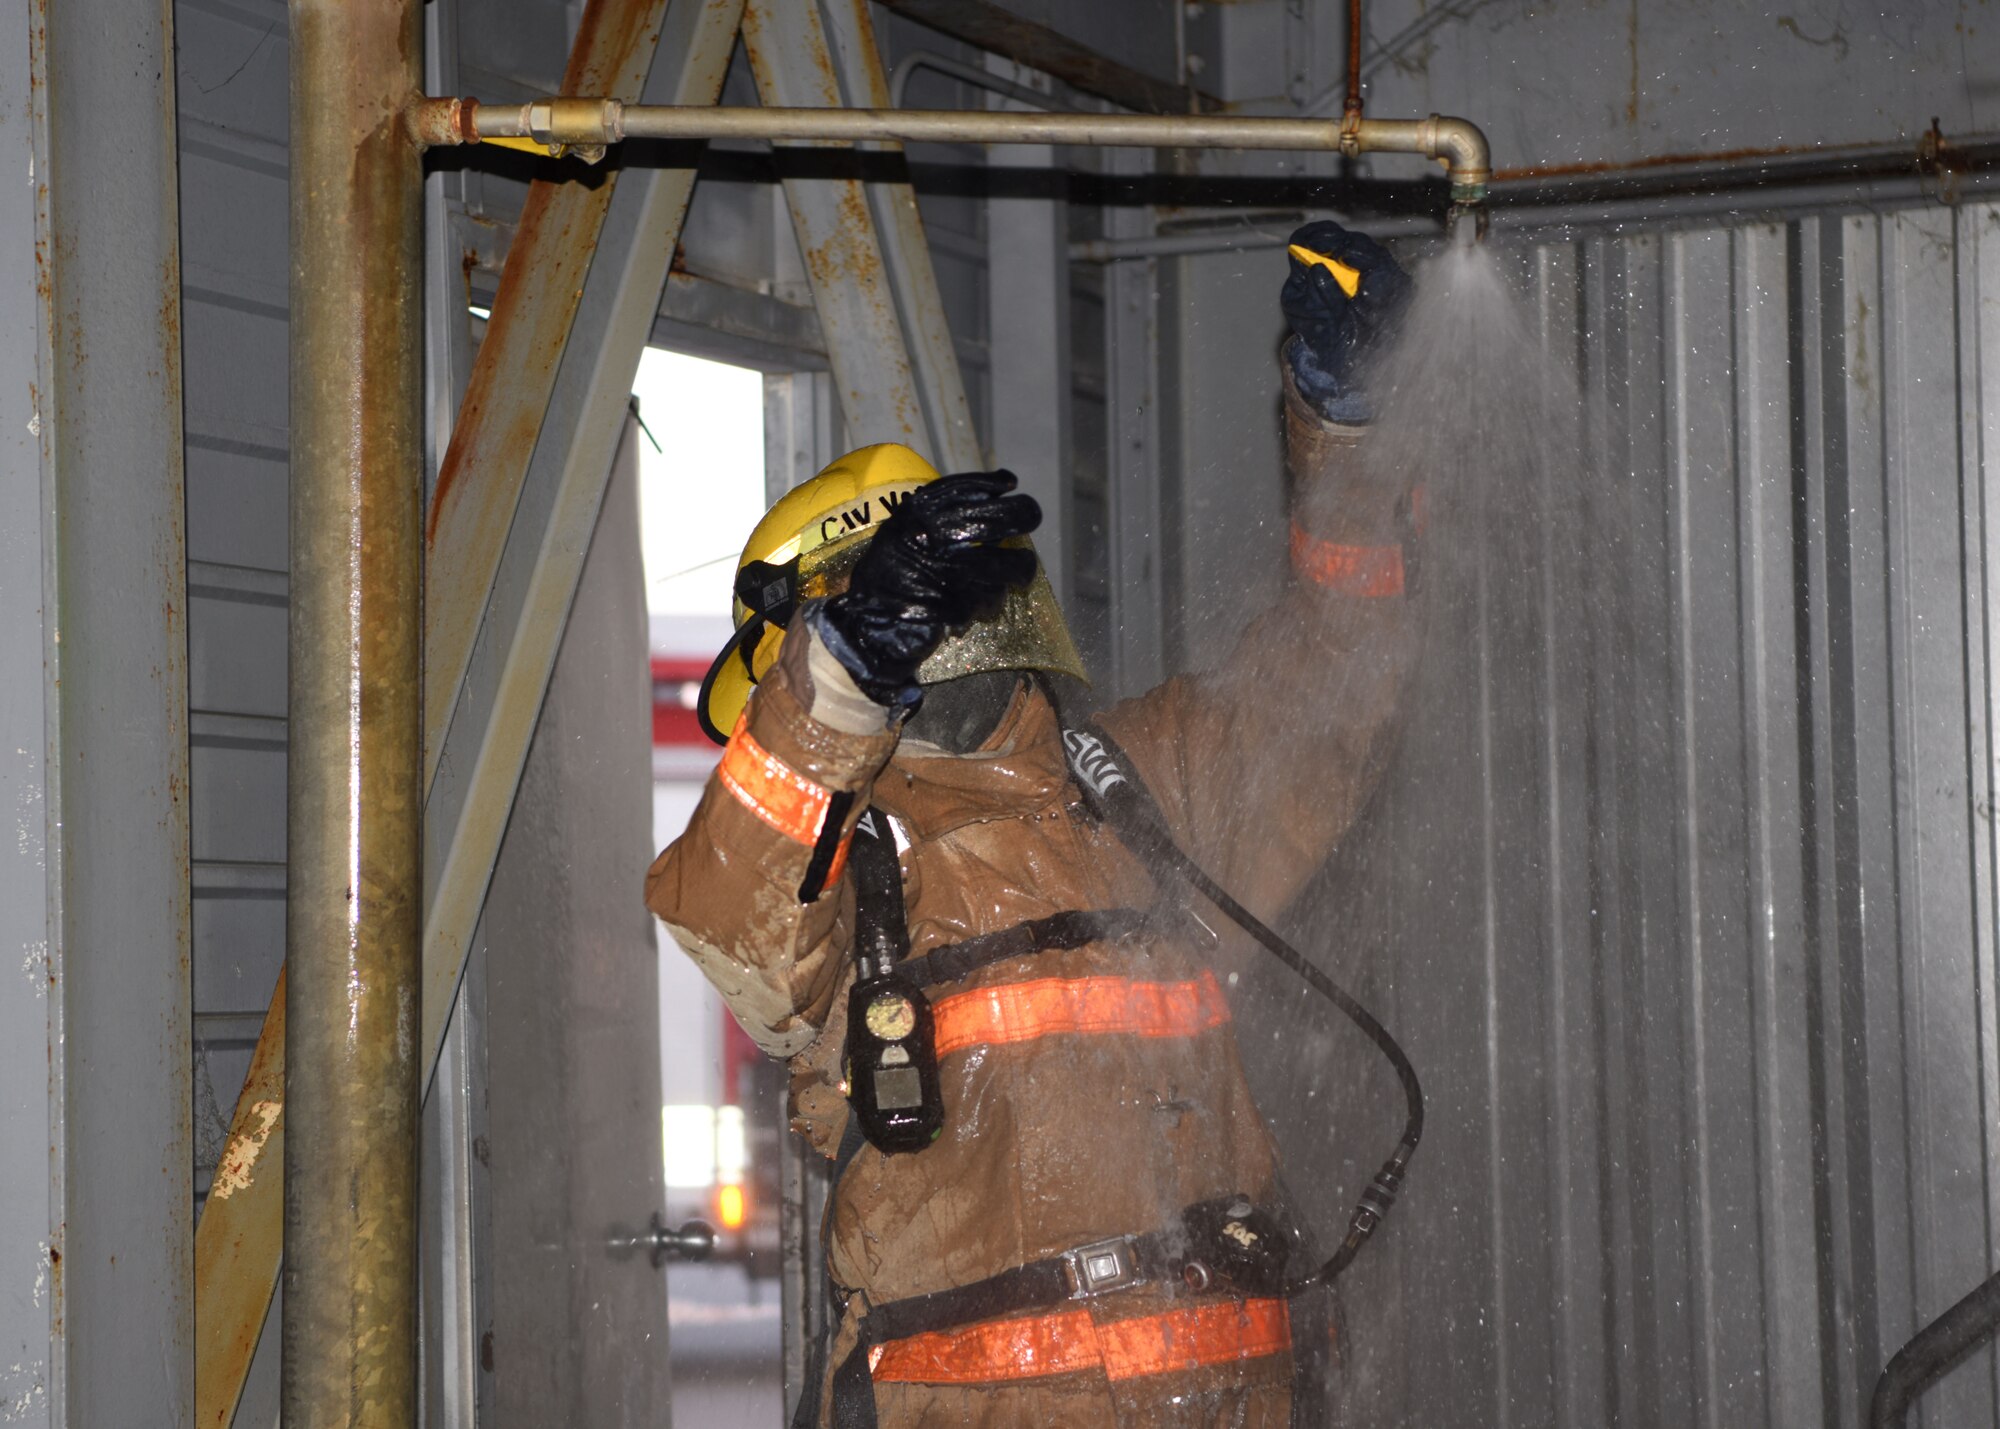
1348, 278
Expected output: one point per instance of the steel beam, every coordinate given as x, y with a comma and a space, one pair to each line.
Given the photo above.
1138, 515
102, 1111
479, 482
1028, 341
354, 791
872, 367
906, 253
31, 1188
527, 590
235, 1273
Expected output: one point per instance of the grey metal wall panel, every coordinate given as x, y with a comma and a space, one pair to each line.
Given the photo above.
108, 414
31, 1338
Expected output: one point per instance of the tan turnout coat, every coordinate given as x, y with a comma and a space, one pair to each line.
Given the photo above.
1064, 1139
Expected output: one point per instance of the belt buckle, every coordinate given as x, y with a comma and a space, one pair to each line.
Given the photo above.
1101, 1267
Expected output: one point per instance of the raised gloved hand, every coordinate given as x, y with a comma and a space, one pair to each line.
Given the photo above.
1343, 297
934, 566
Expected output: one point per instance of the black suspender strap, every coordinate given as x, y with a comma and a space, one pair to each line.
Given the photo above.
1057, 932
832, 826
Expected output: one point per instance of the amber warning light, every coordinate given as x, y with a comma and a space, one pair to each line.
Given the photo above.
731, 1209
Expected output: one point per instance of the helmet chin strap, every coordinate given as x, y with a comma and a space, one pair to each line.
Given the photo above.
958, 716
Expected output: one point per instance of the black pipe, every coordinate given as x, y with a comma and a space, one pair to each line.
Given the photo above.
1937, 1347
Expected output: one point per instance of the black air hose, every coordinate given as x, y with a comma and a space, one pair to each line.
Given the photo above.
1140, 826
1935, 1349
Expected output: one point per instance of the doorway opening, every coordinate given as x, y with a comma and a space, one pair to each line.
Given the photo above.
701, 489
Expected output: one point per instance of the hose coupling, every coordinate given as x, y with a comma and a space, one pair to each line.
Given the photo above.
580, 128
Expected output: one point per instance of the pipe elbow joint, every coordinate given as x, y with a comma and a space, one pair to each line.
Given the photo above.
1461, 145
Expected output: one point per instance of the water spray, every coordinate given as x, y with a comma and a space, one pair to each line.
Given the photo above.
1100, 766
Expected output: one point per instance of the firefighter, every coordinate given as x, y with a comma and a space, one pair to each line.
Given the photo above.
890, 679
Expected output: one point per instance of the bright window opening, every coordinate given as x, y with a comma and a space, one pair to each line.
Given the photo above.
702, 488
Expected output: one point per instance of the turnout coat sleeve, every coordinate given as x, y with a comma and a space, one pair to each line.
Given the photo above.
1262, 764
728, 889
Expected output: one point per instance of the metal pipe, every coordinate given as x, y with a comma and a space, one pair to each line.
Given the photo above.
353, 852
1457, 143
1760, 185
1935, 1349
1352, 109
585, 126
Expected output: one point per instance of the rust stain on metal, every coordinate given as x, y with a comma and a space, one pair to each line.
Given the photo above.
500, 416
1926, 151
236, 1244
1658, 161
547, 259
530, 321
610, 35
433, 122
239, 1157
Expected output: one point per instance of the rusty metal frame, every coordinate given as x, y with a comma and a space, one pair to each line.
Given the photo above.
524, 594
475, 541
906, 254
873, 369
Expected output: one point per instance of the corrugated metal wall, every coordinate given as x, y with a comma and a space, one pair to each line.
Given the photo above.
231, 60
1682, 893
231, 68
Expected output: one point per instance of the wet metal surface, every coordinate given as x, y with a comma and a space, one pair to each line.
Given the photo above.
571, 1086
907, 254
352, 917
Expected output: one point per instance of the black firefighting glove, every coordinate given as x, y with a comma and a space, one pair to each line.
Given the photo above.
1343, 298
935, 566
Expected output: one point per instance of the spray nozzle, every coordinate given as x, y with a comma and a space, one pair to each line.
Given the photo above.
1472, 232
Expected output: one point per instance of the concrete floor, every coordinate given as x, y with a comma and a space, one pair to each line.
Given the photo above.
723, 1345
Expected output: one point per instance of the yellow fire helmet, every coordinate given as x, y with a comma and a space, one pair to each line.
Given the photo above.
806, 547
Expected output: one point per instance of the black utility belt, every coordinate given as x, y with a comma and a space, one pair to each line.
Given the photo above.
1228, 1244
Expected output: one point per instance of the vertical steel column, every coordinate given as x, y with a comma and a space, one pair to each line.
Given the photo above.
351, 938
877, 379
110, 969
1137, 489
1028, 338
906, 253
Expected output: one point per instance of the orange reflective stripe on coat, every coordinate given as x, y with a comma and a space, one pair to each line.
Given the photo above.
1070, 1341
1046, 1007
1370, 572
778, 794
